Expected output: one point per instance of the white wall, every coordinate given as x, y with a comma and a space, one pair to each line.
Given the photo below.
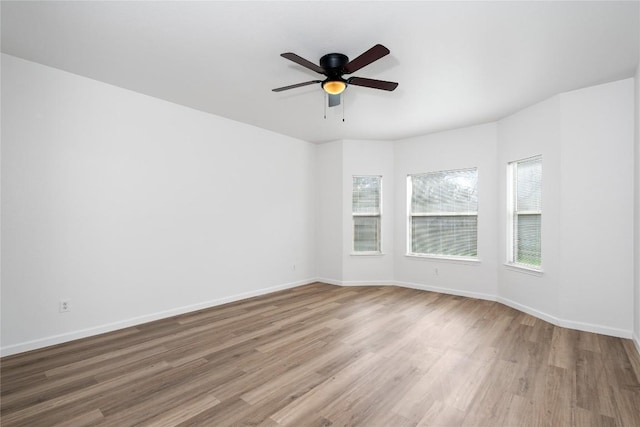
586, 141
458, 149
337, 163
597, 206
135, 208
533, 131
329, 212
368, 158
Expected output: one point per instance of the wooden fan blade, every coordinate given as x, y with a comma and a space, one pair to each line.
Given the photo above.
280, 89
373, 54
301, 61
372, 83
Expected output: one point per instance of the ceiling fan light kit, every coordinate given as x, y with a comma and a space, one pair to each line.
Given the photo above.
334, 66
334, 87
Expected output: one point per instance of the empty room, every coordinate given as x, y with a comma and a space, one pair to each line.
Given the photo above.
300, 213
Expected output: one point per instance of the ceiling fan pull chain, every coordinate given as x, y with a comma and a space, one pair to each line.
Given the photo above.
343, 99
324, 101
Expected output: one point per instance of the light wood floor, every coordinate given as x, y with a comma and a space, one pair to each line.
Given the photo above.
321, 355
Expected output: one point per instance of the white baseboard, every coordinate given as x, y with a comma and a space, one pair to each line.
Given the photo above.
569, 324
368, 283
110, 327
329, 281
596, 329
356, 282
458, 292
529, 310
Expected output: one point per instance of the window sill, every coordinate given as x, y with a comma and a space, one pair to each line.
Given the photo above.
458, 260
520, 268
367, 254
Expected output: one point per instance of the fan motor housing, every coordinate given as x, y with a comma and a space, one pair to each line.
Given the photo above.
333, 63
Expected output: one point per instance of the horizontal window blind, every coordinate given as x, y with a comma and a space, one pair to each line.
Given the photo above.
366, 236
528, 185
366, 202
527, 212
444, 213
366, 195
528, 241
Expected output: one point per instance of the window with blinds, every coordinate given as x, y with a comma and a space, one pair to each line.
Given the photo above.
525, 212
366, 202
443, 213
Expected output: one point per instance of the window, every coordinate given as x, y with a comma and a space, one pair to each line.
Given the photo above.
525, 212
366, 202
443, 213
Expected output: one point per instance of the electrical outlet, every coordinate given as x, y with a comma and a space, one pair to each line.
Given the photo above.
436, 272
294, 267
65, 305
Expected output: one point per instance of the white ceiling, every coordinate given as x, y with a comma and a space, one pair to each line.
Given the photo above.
458, 63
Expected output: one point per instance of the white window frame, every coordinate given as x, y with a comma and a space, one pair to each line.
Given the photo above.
512, 217
377, 215
410, 216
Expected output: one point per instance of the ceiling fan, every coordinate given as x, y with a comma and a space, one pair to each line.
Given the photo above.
334, 66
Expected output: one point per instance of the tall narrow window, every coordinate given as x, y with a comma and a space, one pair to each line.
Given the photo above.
443, 213
366, 202
525, 212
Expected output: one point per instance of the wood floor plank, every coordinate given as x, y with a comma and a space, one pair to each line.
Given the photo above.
174, 394
31, 414
185, 412
558, 403
320, 355
330, 390
87, 419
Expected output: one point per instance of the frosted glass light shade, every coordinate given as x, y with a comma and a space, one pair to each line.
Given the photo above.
334, 87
